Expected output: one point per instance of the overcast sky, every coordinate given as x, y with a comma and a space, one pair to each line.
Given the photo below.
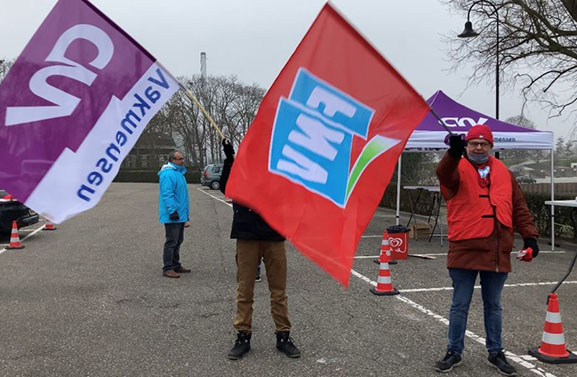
253, 39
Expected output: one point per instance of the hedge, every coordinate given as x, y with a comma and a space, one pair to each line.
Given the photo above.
565, 217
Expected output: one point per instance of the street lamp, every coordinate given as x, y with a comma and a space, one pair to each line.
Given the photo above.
470, 33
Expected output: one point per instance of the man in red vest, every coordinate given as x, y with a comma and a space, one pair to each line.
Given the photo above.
484, 203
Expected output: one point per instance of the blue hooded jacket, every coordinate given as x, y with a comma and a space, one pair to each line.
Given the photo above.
173, 194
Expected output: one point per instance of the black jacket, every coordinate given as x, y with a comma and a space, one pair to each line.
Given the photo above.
246, 224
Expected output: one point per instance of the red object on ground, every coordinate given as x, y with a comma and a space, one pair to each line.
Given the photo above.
553, 348
15, 238
399, 244
384, 282
49, 225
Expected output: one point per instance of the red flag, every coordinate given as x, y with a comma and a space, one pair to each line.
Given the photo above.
325, 141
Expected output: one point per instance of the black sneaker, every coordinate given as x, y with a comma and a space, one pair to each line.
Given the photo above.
258, 278
499, 361
284, 343
450, 360
241, 346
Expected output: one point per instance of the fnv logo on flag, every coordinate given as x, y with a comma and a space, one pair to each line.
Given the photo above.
72, 107
325, 142
313, 148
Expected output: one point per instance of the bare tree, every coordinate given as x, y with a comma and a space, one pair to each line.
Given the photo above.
231, 104
521, 155
537, 43
5, 66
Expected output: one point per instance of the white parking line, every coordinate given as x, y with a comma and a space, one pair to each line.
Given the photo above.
479, 287
411, 255
25, 238
442, 254
214, 197
522, 360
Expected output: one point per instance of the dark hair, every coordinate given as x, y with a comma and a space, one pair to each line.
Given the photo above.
172, 155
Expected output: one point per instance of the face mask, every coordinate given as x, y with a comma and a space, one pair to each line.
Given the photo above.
478, 159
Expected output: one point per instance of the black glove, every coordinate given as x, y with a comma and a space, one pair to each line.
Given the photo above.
174, 216
532, 243
228, 149
457, 143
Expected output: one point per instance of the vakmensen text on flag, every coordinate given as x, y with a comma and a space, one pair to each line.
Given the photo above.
325, 142
72, 107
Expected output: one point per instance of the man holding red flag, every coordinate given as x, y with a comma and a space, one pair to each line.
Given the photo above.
255, 239
324, 144
484, 204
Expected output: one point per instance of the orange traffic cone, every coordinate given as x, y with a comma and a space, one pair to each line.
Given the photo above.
15, 238
385, 237
384, 283
49, 225
552, 348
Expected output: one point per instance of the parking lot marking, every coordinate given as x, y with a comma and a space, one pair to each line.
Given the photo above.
479, 287
214, 197
24, 238
519, 359
33, 233
443, 254
425, 256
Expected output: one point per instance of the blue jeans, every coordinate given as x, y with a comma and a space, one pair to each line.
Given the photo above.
491, 287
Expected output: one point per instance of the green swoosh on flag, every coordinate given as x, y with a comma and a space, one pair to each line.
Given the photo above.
373, 149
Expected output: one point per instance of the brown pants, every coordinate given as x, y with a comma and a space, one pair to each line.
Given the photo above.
273, 253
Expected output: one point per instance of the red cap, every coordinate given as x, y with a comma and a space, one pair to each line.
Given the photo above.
480, 131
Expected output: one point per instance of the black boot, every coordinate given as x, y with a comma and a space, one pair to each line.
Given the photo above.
241, 346
447, 363
499, 361
284, 343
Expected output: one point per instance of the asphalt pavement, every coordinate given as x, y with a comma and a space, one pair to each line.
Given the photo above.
88, 299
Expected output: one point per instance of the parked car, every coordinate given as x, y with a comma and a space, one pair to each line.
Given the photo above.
524, 179
11, 209
211, 176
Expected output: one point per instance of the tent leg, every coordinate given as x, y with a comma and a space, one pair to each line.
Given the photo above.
552, 199
398, 189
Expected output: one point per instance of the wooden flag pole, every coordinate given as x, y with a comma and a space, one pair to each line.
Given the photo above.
206, 114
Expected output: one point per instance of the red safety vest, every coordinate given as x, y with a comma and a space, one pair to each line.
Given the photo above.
471, 212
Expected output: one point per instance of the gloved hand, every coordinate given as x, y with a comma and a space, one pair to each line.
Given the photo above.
532, 243
174, 216
228, 149
457, 145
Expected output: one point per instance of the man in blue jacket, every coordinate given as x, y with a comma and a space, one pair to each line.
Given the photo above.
173, 212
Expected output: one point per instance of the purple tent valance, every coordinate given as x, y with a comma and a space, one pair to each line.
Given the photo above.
430, 134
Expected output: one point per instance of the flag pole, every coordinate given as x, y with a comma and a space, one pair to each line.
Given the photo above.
440, 120
206, 114
196, 101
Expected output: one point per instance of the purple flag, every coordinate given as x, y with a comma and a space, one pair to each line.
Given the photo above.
72, 107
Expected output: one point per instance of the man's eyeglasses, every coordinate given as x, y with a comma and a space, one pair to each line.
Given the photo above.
476, 144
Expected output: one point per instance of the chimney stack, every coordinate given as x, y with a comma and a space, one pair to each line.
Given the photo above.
203, 65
